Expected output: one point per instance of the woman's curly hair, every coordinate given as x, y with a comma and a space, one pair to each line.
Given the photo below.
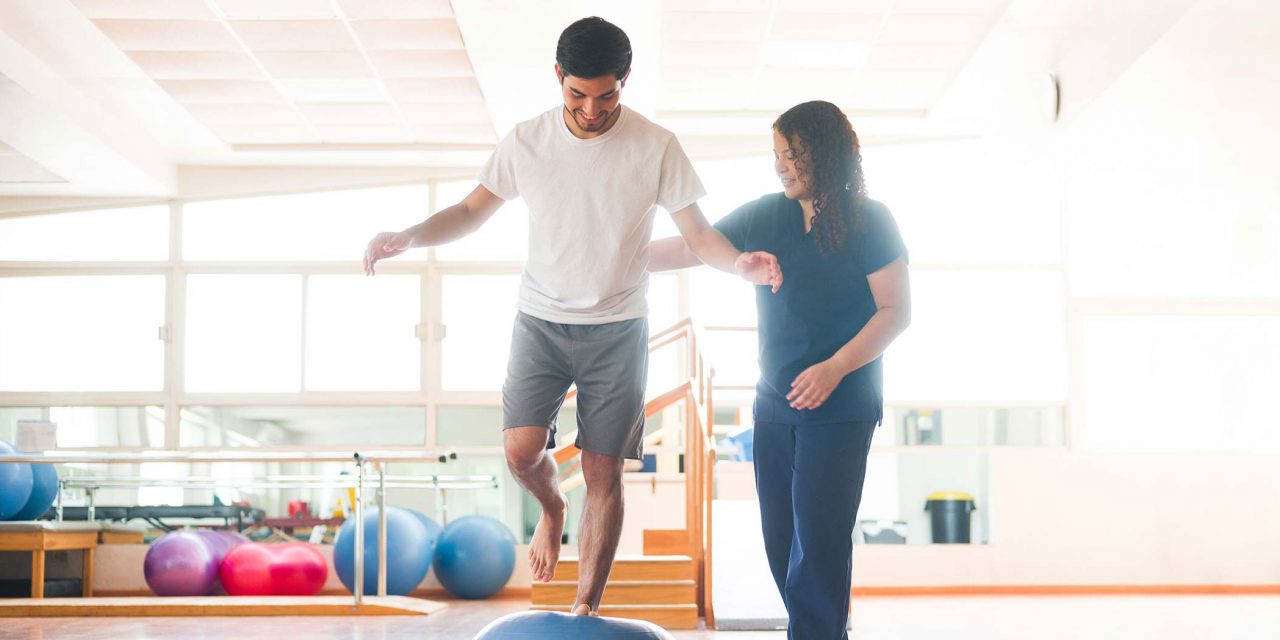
828, 155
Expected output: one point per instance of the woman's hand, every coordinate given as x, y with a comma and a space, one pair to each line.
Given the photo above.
814, 385
759, 267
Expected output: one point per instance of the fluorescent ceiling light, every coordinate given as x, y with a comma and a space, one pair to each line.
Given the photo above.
816, 55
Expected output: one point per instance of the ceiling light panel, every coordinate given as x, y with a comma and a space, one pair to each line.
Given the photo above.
263, 134
917, 56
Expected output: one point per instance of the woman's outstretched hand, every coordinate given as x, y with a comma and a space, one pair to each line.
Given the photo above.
759, 267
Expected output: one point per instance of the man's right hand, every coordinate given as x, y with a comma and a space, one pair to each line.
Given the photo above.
385, 245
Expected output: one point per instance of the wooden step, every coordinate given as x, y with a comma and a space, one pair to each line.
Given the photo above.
667, 616
633, 568
666, 542
620, 592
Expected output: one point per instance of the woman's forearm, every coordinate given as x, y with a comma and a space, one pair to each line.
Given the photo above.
883, 327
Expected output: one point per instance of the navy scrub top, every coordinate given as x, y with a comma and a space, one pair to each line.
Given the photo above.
824, 302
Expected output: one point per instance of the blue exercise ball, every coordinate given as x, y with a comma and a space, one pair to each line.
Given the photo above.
433, 532
16, 481
408, 552
44, 489
553, 624
475, 556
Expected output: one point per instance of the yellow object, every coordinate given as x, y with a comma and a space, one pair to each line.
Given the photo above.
938, 496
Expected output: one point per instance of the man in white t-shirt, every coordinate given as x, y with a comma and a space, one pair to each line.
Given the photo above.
592, 174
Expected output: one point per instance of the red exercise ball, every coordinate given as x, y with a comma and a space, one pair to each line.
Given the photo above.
246, 570
299, 569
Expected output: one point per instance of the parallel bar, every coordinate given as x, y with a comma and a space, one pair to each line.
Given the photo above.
382, 530
73, 456
358, 592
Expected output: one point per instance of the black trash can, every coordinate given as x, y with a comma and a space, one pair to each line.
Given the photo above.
949, 512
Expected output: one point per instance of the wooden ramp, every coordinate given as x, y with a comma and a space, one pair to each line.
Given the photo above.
216, 606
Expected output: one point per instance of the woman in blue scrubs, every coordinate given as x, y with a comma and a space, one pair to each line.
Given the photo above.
846, 297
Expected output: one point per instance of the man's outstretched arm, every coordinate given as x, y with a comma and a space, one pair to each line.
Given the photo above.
447, 225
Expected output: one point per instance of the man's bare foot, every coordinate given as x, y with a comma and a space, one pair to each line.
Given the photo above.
544, 549
583, 609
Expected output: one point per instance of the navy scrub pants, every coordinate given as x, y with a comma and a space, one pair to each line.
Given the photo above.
809, 479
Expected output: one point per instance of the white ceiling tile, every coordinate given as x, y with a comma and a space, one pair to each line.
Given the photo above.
263, 134
168, 35
721, 80
677, 56
207, 65
315, 64
934, 29
729, 6
435, 90
15, 167
918, 56
244, 113
364, 134
834, 6
832, 27
456, 134
714, 27
803, 84
276, 9
896, 89
974, 7
422, 64
333, 89
396, 9
344, 113
220, 91
408, 34
145, 9
294, 35
445, 113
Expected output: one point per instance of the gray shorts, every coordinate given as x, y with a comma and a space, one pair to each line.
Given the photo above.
609, 363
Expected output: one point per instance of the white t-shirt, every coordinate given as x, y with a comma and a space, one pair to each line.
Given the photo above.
591, 204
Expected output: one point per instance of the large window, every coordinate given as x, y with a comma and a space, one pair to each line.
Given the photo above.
332, 225
478, 312
81, 333
244, 333
133, 234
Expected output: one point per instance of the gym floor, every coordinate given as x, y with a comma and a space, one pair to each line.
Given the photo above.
916, 618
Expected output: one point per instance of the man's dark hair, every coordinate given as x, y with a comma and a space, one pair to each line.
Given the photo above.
593, 47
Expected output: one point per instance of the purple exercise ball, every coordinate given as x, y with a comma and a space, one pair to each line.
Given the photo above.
180, 563
220, 543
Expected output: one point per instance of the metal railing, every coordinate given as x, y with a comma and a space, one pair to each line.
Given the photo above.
376, 459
